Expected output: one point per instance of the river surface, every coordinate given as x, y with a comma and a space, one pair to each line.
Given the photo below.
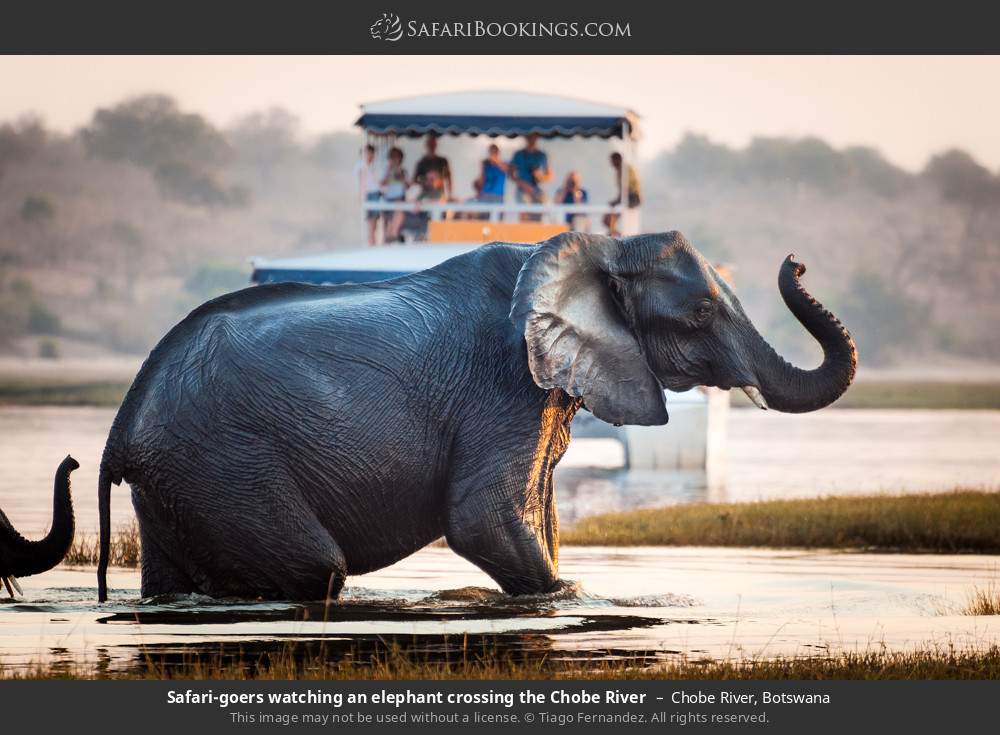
769, 455
647, 604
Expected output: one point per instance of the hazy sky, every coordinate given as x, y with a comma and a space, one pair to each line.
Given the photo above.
908, 107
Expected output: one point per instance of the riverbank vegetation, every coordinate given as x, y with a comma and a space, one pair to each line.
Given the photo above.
956, 522
124, 549
984, 600
26, 388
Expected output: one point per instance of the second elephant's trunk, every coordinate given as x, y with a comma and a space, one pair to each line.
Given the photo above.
20, 557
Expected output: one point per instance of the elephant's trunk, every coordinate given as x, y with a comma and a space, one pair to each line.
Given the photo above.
22, 558
791, 389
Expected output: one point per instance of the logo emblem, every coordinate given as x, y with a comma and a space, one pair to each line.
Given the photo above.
387, 28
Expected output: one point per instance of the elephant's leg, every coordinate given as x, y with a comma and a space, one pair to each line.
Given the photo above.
277, 550
501, 503
507, 548
160, 574
262, 540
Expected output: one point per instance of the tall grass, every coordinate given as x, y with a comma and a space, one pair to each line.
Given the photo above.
954, 522
984, 601
125, 549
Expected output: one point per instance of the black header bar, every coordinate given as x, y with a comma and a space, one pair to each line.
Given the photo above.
500, 27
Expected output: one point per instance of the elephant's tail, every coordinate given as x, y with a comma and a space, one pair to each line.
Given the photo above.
104, 511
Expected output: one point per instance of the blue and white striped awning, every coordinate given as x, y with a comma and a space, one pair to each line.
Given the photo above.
497, 113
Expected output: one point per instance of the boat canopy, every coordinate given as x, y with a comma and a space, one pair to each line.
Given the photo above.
497, 113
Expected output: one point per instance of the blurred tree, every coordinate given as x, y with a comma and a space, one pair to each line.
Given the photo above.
336, 150
20, 140
41, 320
263, 140
37, 209
151, 131
48, 349
189, 185
961, 180
214, 280
885, 321
870, 169
696, 158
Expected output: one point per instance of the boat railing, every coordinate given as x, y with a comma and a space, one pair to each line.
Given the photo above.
495, 211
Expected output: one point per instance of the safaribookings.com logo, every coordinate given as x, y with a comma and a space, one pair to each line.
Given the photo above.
387, 28
390, 28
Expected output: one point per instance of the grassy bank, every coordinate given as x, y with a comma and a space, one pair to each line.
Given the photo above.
955, 522
69, 390
54, 391
911, 394
465, 664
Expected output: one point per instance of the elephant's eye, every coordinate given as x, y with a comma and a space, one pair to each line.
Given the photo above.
703, 311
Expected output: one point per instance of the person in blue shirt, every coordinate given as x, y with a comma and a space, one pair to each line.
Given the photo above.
530, 169
492, 179
572, 192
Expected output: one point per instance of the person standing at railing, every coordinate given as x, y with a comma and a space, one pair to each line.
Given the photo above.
431, 161
530, 169
369, 174
394, 186
492, 182
572, 192
611, 220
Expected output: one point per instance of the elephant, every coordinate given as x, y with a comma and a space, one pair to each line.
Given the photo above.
22, 558
285, 436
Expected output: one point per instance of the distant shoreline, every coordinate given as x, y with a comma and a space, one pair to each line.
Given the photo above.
76, 387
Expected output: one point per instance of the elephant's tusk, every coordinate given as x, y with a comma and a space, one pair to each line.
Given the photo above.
13, 581
7, 585
754, 395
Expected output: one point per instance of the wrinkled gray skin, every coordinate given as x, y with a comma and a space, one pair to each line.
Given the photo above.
285, 436
20, 557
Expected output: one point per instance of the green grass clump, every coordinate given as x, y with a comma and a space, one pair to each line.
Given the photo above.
911, 394
955, 522
124, 548
24, 391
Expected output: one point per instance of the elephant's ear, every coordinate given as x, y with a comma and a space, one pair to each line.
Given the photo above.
576, 334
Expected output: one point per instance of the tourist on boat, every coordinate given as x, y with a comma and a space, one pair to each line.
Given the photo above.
634, 196
492, 179
530, 169
415, 222
572, 192
368, 172
431, 161
394, 186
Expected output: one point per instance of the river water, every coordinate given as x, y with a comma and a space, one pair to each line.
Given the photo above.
648, 604
769, 455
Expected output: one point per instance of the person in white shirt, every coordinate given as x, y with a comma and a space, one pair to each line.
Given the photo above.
370, 174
